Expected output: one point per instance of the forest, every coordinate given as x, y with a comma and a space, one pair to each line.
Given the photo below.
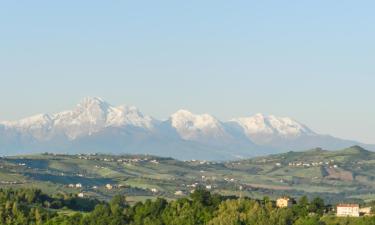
31, 206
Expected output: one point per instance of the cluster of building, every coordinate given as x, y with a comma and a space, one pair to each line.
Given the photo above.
95, 157
107, 186
11, 182
201, 162
342, 210
312, 164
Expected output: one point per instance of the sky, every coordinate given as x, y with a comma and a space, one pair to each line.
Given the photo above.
309, 60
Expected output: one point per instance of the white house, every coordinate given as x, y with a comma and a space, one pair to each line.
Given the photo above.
179, 193
109, 186
366, 211
344, 210
284, 202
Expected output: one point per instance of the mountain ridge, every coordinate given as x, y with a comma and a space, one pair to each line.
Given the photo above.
125, 129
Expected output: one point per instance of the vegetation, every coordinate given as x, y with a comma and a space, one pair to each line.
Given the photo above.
31, 206
345, 175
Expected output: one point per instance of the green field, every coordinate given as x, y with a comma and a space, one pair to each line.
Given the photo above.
336, 175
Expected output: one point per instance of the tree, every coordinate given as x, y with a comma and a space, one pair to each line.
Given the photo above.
317, 206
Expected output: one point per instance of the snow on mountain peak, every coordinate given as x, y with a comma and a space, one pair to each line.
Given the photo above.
91, 115
90, 103
196, 127
92, 100
189, 120
129, 115
94, 114
125, 128
33, 122
260, 124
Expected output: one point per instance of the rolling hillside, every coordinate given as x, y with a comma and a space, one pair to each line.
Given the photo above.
336, 175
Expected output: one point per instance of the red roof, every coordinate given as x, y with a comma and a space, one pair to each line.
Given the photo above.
348, 205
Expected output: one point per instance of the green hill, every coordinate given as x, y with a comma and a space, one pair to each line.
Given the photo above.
335, 175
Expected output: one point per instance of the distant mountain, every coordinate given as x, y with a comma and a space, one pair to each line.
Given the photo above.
96, 126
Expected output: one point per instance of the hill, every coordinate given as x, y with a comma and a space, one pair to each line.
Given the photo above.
335, 175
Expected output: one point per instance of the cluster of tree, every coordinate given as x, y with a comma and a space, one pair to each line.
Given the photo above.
201, 207
31, 206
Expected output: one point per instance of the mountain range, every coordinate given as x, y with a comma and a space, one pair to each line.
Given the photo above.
94, 125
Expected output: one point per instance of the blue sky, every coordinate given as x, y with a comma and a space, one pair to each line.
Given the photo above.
310, 60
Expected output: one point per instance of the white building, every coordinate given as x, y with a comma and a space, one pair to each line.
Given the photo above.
179, 193
284, 202
81, 195
79, 185
344, 210
109, 186
366, 211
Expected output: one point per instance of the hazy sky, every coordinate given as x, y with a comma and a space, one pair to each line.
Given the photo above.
310, 60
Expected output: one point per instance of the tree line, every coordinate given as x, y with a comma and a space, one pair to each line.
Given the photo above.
31, 206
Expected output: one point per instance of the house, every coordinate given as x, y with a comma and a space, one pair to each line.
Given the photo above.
79, 185
179, 193
109, 186
344, 210
154, 190
81, 195
366, 211
71, 185
284, 202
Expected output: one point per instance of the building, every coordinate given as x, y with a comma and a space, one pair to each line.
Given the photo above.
366, 211
179, 193
79, 185
154, 190
284, 202
109, 186
81, 195
344, 210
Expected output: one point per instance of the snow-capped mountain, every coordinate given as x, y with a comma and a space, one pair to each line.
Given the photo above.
272, 125
202, 128
90, 116
96, 126
263, 129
